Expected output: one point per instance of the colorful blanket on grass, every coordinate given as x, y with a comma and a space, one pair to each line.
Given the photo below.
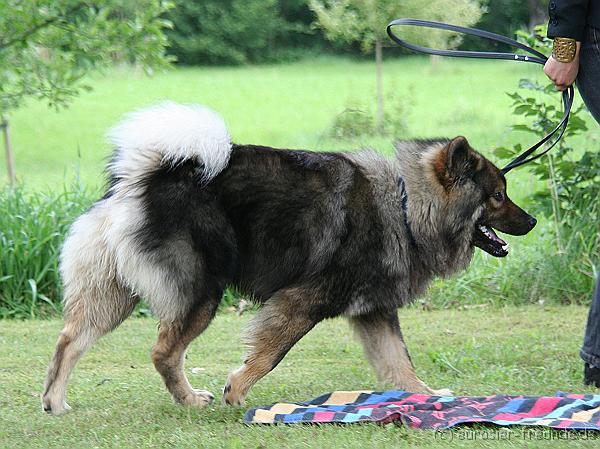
563, 411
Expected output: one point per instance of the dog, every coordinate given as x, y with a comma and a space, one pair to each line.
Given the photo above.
309, 235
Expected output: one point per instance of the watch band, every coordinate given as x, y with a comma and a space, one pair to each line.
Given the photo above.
564, 49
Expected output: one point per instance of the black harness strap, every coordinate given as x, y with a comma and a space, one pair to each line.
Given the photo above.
536, 57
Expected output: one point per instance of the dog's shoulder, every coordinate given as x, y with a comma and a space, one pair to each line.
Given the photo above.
372, 164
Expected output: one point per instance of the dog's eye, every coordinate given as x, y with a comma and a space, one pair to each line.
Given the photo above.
498, 196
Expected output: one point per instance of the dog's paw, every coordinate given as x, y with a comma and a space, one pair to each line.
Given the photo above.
56, 409
442, 392
197, 398
231, 396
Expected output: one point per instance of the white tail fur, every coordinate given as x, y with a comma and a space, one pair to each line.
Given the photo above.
170, 134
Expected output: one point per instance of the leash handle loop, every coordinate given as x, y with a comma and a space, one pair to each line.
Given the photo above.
536, 57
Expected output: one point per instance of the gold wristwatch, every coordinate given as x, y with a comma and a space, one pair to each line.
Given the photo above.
564, 49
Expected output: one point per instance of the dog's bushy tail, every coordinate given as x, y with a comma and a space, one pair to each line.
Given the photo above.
165, 136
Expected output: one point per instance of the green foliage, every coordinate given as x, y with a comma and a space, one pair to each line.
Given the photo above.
533, 273
358, 121
353, 122
502, 17
32, 229
303, 34
48, 46
230, 31
365, 21
572, 178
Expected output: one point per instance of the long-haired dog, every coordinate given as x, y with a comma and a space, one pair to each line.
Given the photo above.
308, 235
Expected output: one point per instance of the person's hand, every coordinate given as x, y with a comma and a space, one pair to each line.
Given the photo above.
562, 74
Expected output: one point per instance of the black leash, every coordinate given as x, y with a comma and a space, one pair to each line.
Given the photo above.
534, 56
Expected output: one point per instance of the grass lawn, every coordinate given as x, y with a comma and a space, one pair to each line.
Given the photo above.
119, 400
117, 397
289, 105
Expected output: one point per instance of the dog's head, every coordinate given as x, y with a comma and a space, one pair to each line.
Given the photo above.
464, 173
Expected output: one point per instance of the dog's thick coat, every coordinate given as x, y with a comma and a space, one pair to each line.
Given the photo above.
309, 235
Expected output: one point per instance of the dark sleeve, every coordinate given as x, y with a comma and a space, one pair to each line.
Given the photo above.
567, 18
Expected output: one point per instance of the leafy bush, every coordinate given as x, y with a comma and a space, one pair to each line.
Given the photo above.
47, 47
32, 229
358, 121
351, 123
572, 177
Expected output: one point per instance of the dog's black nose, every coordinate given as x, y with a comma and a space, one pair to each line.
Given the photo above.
532, 221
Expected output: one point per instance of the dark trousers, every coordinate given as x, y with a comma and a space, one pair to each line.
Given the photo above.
588, 83
588, 78
590, 351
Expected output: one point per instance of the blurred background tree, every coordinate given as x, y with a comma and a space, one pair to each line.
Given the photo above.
365, 21
257, 31
48, 46
505, 17
238, 31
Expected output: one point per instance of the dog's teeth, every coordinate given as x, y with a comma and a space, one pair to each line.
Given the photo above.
505, 247
485, 231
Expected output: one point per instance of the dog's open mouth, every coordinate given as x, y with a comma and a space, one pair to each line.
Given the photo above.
486, 239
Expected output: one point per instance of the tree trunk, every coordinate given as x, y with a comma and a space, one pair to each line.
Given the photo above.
10, 162
379, 69
538, 13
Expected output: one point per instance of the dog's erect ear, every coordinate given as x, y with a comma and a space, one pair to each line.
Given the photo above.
456, 162
461, 159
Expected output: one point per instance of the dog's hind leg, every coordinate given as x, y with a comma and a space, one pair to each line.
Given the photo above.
81, 330
94, 304
272, 333
169, 352
384, 347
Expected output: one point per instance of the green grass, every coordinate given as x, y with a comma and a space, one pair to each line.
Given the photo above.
289, 105
119, 400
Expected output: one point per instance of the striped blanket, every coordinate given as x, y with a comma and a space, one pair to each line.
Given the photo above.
563, 411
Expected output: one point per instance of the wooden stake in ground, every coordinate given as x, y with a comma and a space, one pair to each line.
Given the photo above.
379, 69
10, 161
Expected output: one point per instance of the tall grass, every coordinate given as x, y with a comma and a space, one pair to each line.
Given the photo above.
32, 229
546, 270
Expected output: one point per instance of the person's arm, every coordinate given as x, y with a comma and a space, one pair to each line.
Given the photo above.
567, 18
566, 26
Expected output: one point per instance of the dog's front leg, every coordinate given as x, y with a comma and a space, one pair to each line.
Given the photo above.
272, 333
384, 347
